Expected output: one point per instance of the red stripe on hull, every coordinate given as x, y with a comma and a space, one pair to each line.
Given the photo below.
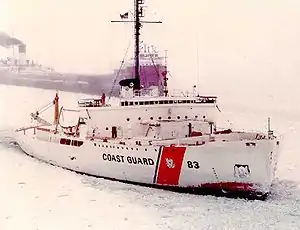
230, 186
170, 165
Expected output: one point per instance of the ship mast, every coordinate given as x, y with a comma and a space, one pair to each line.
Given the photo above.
138, 14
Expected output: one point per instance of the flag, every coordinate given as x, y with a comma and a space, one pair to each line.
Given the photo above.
124, 16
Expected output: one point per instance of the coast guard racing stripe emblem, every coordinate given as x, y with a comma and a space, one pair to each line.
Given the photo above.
170, 165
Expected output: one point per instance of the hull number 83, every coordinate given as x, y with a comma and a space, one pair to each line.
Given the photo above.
193, 164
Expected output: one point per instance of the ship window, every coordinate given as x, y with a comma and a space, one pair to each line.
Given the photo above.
165, 102
179, 101
151, 118
63, 141
169, 117
159, 118
79, 143
139, 118
184, 101
156, 102
178, 117
74, 143
126, 103
160, 102
204, 117
136, 103
131, 103
122, 103
188, 101
95, 144
127, 119
171, 102
68, 141
186, 117
141, 103
175, 102
151, 102
106, 128
146, 102
196, 116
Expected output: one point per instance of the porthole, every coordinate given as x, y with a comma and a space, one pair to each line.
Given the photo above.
151, 118
139, 118
106, 128
159, 118
127, 119
169, 118
178, 117
186, 117
196, 116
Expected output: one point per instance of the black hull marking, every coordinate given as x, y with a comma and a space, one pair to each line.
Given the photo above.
157, 164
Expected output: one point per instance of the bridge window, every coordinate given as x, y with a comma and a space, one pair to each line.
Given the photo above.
136, 103
131, 103
160, 102
122, 103
126, 103
151, 102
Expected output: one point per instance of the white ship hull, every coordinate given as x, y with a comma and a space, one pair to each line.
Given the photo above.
246, 167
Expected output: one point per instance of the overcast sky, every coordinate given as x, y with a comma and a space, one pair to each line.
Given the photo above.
238, 41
